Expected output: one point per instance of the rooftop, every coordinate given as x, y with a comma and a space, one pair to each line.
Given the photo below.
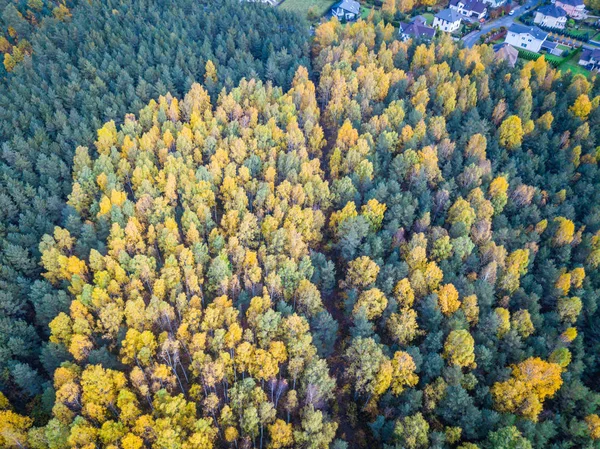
552, 11
571, 2
470, 5
417, 29
533, 31
506, 52
590, 54
448, 15
348, 5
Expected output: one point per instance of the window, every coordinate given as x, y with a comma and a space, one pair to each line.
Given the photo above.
524, 45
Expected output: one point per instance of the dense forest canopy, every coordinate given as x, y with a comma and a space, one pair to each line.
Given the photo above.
400, 250
18, 22
111, 58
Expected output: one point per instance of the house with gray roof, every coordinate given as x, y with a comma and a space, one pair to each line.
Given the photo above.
346, 10
494, 3
590, 59
574, 8
507, 53
447, 20
551, 16
527, 38
469, 8
415, 30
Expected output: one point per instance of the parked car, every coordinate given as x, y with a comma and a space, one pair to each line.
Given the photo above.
511, 12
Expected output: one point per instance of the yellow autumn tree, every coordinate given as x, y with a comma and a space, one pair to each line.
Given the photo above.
510, 133
448, 299
581, 107
593, 424
459, 349
531, 382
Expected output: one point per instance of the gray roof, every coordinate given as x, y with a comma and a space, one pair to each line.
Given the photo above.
552, 11
349, 5
416, 29
506, 52
533, 31
448, 15
549, 45
589, 54
470, 5
572, 2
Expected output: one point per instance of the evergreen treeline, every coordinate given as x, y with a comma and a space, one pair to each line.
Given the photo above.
402, 253
110, 59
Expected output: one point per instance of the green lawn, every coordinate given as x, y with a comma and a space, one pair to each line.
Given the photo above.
428, 17
581, 32
364, 12
571, 63
321, 7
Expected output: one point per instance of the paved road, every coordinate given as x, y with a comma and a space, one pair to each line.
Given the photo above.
473, 38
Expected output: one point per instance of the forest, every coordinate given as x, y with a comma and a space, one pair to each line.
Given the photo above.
217, 236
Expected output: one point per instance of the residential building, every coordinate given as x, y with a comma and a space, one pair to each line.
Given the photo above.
573, 8
506, 52
551, 16
527, 38
268, 2
590, 59
447, 20
415, 30
346, 10
494, 3
553, 48
469, 8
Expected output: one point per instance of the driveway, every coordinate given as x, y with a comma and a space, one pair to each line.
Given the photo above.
473, 38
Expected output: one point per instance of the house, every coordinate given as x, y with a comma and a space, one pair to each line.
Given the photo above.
346, 10
528, 38
267, 2
590, 59
573, 8
447, 20
552, 48
415, 30
506, 52
551, 16
494, 3
469, 8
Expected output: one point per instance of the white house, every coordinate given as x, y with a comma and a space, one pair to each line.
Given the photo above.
447, 20
346, 10
590, 59
574, 8
528, 38
268, 2
551, 16
469, 8
494, 3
